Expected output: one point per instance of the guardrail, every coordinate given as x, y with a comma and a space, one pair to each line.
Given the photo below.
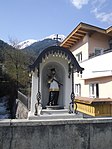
24, 99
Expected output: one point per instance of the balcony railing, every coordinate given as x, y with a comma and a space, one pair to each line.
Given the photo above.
91, 55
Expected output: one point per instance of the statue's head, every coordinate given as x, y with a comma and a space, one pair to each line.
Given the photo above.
53, 71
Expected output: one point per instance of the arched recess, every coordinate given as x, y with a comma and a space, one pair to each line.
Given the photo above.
60, 74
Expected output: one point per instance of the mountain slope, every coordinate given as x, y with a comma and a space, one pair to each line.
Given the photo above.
26, 43
3, 47
39, 46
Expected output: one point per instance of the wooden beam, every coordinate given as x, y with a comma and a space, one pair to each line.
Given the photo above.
66, 46
82, 31
67, 43
73, 39
79, 34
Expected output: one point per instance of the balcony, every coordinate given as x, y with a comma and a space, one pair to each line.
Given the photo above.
99, 66
92, 55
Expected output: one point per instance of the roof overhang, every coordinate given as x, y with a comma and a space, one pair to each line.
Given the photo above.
109, 31
80, 31
57, 51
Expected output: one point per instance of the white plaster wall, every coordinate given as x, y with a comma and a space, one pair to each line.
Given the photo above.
97, 67
81, 46
105, 89
84, 87
105, 85
34, 90
84, 50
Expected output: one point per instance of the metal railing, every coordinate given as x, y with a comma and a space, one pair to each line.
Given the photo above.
91, 55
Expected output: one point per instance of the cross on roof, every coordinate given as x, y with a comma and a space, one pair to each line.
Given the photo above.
57, 39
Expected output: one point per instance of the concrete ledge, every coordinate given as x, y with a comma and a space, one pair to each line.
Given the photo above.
25, 122
5, 122
77, 133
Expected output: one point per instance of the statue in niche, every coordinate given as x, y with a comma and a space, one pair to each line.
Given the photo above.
54, 87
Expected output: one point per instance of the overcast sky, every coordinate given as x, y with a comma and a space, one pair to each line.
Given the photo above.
36, 19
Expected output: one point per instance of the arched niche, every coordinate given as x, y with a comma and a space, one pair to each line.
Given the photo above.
60, 74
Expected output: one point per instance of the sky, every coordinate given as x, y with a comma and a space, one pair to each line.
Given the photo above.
35, 19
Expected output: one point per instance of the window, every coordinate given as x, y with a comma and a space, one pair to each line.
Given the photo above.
79, 57
94, 90
77, 89
98, 51
110, 43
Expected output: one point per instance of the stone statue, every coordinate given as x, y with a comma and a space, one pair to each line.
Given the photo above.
54, 86
38, 106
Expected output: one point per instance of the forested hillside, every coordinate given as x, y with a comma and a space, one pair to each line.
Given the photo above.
39, 46
14, 64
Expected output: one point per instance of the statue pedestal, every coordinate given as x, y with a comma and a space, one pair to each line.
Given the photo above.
56, 107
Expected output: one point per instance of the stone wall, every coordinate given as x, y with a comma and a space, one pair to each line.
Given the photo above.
56, 134
21, 110
22, 106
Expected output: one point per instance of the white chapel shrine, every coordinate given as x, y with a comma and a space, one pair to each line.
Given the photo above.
52, 88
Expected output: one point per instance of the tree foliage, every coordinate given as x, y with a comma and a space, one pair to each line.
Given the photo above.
16, 64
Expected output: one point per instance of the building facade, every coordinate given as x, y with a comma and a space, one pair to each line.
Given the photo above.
92, 47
